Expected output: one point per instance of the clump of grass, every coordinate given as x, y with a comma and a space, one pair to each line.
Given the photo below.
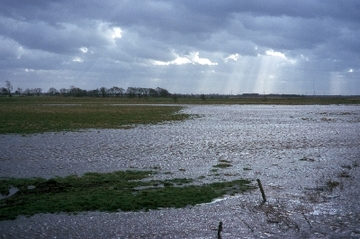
223, 164
344, 174
307, 159
331, 184
110, 192
314, 196
346, 166
279, 215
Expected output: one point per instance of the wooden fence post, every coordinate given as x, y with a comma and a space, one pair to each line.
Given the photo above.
219, 230
261, 190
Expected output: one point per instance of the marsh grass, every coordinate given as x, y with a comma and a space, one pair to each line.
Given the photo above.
331, 184
222, 165
110, 192
23, 117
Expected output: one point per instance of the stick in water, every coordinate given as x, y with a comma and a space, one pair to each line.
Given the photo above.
219, 228
261, 190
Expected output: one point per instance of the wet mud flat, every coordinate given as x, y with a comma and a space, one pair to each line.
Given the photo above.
307, 157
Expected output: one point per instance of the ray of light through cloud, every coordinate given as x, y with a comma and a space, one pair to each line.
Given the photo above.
230, 47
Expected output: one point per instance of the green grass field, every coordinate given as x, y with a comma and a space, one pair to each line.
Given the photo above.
24, 115
110, 192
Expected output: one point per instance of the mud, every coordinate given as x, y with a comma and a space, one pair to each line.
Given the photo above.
307, 157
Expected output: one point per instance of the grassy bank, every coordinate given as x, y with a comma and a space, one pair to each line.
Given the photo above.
25, 115
110, 192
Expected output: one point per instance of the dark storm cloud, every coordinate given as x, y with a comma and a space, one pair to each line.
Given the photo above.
185, 46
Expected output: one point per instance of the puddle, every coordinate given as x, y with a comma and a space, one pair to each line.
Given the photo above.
12, 191
292, 149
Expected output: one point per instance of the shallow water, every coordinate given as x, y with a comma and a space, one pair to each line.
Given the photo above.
294, 150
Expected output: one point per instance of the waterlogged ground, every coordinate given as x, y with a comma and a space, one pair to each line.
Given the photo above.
307, 157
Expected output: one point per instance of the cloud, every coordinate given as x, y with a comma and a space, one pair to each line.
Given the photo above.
83, 49
251, 46
116, 33
192, 58
279, 55
233, 57
78, 59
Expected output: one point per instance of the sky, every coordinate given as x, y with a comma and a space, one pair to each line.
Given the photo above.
185, 46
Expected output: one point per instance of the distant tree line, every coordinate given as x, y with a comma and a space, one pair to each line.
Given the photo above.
77, 92
131, 92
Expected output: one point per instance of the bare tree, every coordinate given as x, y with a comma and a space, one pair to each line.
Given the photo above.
19, 91
37, 91
26, 91
3, 91
64, 91
116, 91
53, 91
103, 91
75, 91
162, 92
9, 87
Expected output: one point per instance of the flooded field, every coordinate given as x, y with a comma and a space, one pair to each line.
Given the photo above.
307, 158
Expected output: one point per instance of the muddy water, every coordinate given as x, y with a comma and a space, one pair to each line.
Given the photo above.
294, 150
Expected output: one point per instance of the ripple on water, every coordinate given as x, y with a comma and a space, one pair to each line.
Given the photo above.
289, 147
